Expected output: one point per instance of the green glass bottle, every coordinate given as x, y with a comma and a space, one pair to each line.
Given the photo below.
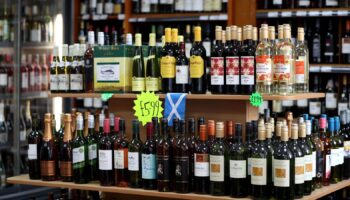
307, 151
249, 146
138, 67
134, 157
152, 67
92, 150
270, 151
80, 154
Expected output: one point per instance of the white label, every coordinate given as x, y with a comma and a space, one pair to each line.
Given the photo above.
108, 72
277, 2
182, 74
345, 46
249, 166
99, 9
133, 161
188, 47
302, 103
118, 159
334, 157
53, 82
299, 170
63, 81
197, 5
201, 169
346, 151
3, 79
287, 103
238, 168
331, 100
342, 106
331, 2
76, 82
105, 159
24, 81
328, 166
32, 152
109, 7
313, 164
281, 173
22, 135
145, 6
258, 176
207, 47
216, 168
315, 108
78, 154
308, 167
341, 155
92, 151
148, 164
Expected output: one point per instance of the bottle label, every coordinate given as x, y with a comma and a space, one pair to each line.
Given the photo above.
152, 84
53, 82
287, 103
92, 3
32, 152
345, 46
334, 157
78, 154
342, 106
308, 167
109, 7
163, 168
145, 6
201, 165
238, 168
314, 164
22, 135
167, 66
148, 166
24, 81
182, 169
32, 79
331, 2
121, 159
331, 100
258, 176
315, 108
328, 166
99, 8
320, 164
281, 173
217, 70
196, 67
133, 161
305, 3
76, 82
182, 74
249, 166
347, 149
47, 167
300, 70
284, 66
92, 151
105, 160
232, 70
316, 50
263, 69
3, 80
247, 70
302, 103
63, 82
299, 170
216, 168
138, 84
277, 2
188, 47
341, 155
197, 5
207, 6
66, 168
207, 46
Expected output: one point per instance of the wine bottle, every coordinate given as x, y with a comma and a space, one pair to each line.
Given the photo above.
340, 140
66, 167
301, 64
164, 153
238, 166
249, 144
284, 167
80, 154
121, 157
324, 136
198, 64
89, 62
34, 145
152, 68
345, 42
201, 163
167, 64
174, 41
134, 157
192, 139
316, 43
156, 129
312, 145
247, 62
217, 154
229, 138
217, 61
92, 150
182, 71
76, 71
335, 173
307, 151
232, 62
331, 98
53, 71
270, 154
105, 157
345, 117
329, 46
148, 160
138, 68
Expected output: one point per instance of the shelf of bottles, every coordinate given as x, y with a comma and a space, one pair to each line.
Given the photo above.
300, 12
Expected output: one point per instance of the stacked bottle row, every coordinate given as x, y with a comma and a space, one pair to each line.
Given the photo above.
282, 157
277, 4
101, 7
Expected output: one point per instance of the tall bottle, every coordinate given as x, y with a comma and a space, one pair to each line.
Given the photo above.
134, 156
247, 62
276, 59
105, 157
182, 70
138, 68
66, 157
148, 160
92, 150
345, 48
80, 153
238, 166
286, 59
270, 154
346, 136
63, 71
201, 163
121, 157
264, 53
316, 43
188, 42
198, 64
340, 141
167, 64
301, 83
249, 144
89, 62
217, 169
192, 139
324, 136
335, 172
319, 153
53, 71
76, 71
312, 145
329, 44
152, 67
232, 78
34, 145
217, 62
284, 168
307, 151
164, 153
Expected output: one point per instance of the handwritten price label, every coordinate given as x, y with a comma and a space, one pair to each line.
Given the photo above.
147, 105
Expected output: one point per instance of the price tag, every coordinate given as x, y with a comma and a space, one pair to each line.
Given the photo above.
147, 105
301, 13
203, 18
342, 13
286, 14
256, 99
272, 14
326, 69
141, 19
223, 17
327, 13
103, 17
314, 13
132, 20
95, 17
121, 16
214, 17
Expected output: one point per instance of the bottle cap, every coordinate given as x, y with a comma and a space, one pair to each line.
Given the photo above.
211, 127
152, 39
279, 126
106, 126
203, 132
284, 135
116, 124
91, 121
167, 35
331, 124
128, 40
219, 129
239, 34
229, 128
228, 34
174, 35
138, 39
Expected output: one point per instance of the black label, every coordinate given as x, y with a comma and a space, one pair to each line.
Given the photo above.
182, 169
319, 165
163, 168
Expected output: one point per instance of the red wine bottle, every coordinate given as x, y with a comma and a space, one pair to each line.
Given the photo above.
105, 157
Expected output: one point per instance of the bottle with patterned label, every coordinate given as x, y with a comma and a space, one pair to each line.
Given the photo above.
247, 61
232, 75
148, 160
217, 62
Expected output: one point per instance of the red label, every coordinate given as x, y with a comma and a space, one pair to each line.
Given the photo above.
217, 66
232, 66
247, 65
299, 67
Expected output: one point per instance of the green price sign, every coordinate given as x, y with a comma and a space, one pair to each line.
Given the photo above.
146, 106
256, 99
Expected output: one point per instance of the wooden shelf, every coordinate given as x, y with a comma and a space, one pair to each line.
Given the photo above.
178, 17
95, 186
330, 68
296, 96
300, 12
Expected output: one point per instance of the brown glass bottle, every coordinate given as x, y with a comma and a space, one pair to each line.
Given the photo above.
34, 145
66, 167
105, 157
48, 153
201, 163
121, 157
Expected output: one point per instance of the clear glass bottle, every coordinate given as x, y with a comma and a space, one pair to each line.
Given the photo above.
301, 81
275, 70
